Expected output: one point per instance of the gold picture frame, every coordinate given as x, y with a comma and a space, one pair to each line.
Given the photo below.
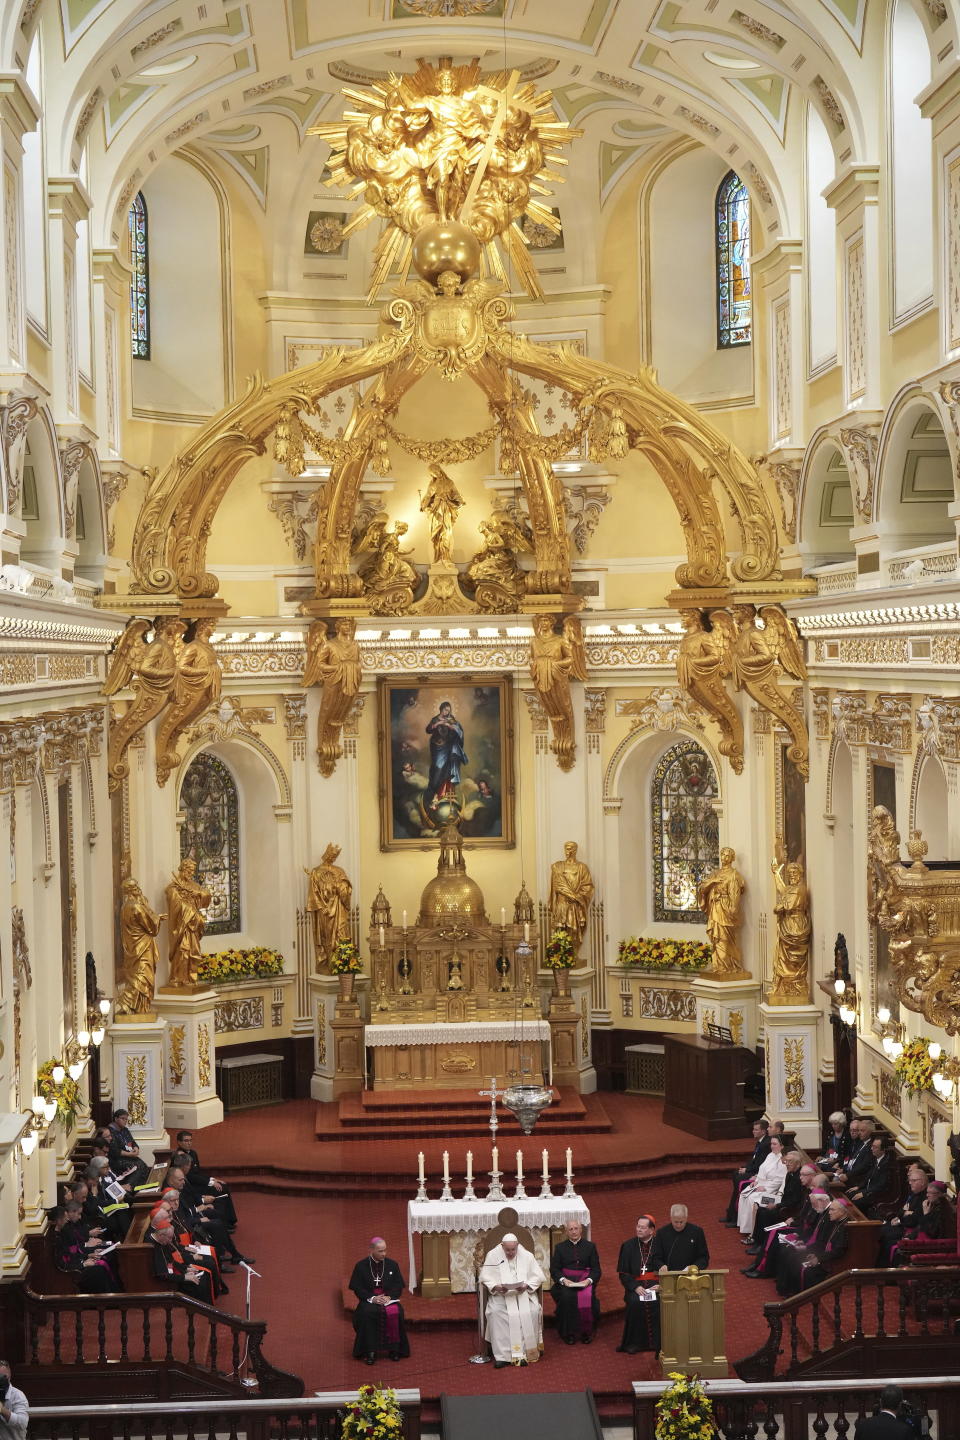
434, 760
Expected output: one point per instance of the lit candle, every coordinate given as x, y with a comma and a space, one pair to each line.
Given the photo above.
381, 937
569, 1162
420, 1173
526, 932
446, 1167
469, 1167
519, 1164
496, 1158
404, 919
546, 1167
503, 916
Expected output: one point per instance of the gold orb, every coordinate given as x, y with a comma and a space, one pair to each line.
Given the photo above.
445, 245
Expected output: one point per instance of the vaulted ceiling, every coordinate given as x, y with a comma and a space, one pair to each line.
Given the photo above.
130, 83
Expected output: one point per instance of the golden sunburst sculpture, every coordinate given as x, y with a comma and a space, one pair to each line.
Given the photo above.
451, 161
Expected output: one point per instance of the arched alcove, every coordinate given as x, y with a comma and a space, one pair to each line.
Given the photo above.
910, 155
41, 503
826, 509
821, 256
930, 811
915, 478
845, 895
89, 526
34, 199
261, 883
683, 299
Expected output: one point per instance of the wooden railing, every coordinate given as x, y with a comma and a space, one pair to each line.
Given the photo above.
314, 1419
795, 1411
862, 1322
149, 1331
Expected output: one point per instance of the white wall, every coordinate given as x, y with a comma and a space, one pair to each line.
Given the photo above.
184, 375
34, 202
911, 164
821, 247
683, 298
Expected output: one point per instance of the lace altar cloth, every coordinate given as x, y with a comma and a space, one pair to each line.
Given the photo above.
465, 1220
442, 1033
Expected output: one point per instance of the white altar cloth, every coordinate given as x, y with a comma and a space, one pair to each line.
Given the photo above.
443, 1032
461, 1217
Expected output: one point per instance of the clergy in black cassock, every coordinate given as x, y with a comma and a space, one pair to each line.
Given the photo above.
679, 1244
575, 1260
378, 1319
641, 1326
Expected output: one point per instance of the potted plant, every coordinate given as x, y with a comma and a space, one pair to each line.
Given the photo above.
224, 967
914, 1068
345, 962
664, 954
560, 958
374, 1415
66, 1093
684, 1411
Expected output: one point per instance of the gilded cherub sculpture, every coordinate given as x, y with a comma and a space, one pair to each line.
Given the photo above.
389, 579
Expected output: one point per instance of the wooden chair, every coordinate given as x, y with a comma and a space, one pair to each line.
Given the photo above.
507, 1224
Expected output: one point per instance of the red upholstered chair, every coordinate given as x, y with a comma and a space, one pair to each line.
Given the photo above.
945, 1251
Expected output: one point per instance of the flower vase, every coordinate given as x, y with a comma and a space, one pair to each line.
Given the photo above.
346, 986
562, 982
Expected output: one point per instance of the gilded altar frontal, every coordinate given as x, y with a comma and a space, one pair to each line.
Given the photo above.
479, 614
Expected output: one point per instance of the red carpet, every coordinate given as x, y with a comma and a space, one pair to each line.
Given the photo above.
306, 1243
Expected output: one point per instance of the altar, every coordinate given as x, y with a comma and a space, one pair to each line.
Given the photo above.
450, 1229
457, 1055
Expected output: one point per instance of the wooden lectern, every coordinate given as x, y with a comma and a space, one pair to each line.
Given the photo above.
692, 1322
703, 1085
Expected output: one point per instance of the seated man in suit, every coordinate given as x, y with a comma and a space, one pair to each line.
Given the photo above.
858, 1162
874, 1183
886, 1424
171, 1264
761, 1149
679, 1244
199, 1178
124, 1153
514, 1312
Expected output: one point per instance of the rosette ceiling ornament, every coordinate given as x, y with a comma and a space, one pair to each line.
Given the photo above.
451, 162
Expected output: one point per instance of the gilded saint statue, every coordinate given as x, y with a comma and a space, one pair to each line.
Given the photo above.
571, 890
551, 662
441, 502
791, 959
328, 902
719, 894
139, 926
186, 902
333, 661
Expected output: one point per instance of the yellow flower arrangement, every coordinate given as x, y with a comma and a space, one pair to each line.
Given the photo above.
374, 1415
684, 1411
664, 954
251, 964
345, 959
914, 1068
67, 1093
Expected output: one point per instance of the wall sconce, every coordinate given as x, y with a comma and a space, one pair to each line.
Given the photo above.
849, 1004
947, 1071
59, 1074
891, 1033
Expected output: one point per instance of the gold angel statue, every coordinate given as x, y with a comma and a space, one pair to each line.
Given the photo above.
389, 579
494, 570
573, 634
195, 690
791, 958
758, 656
139, 927
150, 669
333, 661
551, 663
704, 661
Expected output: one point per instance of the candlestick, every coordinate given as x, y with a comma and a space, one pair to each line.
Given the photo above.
503, 917
569, 1160
446, 1193
469, 1166
404, 919
421, 1176
546, 1168
526, 932
519, 1164
381, 937
568, 1190
496, 1157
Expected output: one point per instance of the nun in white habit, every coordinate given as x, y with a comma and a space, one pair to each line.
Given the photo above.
514, 1313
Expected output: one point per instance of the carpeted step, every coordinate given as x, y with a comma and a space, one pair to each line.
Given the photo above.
381, 1101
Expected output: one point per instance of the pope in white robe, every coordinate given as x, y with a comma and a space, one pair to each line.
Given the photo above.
514, 1313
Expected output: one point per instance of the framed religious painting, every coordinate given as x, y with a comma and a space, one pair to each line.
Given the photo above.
446, 753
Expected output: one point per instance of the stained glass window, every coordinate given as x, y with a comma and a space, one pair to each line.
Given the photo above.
733, 263
139, 281
211, 836
686, 840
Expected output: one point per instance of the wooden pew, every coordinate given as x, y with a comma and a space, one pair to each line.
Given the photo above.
135, 1256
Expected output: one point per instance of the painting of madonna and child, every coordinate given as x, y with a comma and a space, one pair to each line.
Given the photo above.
446, 756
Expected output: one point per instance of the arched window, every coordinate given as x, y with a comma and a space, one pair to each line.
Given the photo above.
140, 281
686, 841
733, 263
211, 837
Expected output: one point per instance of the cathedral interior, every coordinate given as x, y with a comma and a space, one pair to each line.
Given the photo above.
480, 571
